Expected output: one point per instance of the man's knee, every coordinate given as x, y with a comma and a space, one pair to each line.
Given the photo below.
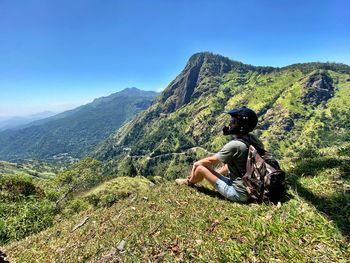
200, 169
206, 173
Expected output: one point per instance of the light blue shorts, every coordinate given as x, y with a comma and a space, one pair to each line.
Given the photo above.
231, 189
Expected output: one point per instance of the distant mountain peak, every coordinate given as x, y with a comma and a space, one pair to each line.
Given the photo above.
136, 92
127, 92
198, 67
132, 89
206, 55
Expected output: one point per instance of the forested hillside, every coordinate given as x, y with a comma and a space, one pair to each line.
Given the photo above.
72, 134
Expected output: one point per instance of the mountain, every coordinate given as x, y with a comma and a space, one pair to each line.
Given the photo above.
301, 108
106, 217
19, 122
74, 133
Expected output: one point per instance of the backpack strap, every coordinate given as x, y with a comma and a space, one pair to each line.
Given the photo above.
248, 142
249, 170
253, 152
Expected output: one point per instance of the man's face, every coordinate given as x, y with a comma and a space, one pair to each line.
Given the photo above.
233, 122
233, 127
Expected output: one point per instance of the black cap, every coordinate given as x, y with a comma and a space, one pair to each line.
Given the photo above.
248, 117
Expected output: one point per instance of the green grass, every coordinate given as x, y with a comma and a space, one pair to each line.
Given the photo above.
33, 168
178, 223
112, 191
24, 208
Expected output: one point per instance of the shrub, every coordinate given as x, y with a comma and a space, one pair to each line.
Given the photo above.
26, 218
17, 186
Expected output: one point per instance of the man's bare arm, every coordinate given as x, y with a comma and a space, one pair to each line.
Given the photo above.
208, 161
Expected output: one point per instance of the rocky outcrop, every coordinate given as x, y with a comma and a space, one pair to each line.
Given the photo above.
199, 66
319, 89
279, 117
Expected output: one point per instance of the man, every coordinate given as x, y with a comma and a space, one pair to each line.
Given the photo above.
233, 155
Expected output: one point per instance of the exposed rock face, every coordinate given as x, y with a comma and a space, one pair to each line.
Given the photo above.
200, 65
319, 88
280, 117
188, 80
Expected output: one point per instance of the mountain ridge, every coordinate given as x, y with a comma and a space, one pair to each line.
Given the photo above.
190, 111
74, 132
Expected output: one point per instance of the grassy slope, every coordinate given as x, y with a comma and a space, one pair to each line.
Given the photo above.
172, 223
29, 168
26, 192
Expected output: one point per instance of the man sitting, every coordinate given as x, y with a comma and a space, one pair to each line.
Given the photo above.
233, 156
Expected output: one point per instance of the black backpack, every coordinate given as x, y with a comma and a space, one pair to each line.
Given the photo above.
264, 179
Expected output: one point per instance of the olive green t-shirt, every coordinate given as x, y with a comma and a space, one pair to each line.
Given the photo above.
235, 153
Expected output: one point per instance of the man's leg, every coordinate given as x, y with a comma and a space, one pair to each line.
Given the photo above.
224, 186
202, 172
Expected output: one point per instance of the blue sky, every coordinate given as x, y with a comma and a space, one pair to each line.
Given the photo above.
58, 54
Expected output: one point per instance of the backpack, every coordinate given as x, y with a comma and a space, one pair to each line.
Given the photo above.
264, 179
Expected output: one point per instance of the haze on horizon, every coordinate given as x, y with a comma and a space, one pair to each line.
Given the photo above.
56, 55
